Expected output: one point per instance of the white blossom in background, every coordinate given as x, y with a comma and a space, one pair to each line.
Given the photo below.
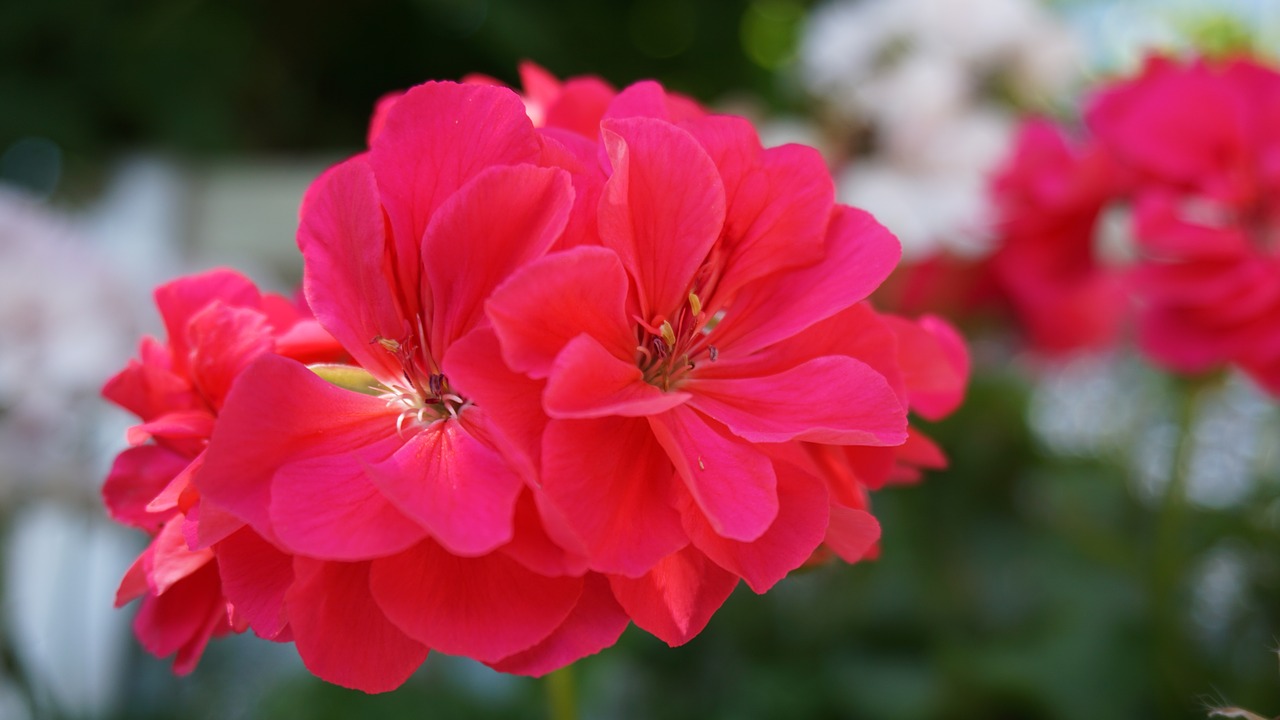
933, 87
67, 317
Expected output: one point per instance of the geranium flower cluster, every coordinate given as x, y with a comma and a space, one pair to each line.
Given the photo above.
1167, 211
562, 376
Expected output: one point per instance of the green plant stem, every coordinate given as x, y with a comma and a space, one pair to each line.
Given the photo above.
561, 695
1169, 612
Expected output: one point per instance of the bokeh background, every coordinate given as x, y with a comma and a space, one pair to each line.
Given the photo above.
1047, 573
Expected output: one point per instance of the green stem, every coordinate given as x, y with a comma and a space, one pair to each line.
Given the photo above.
1169, 610
561, 698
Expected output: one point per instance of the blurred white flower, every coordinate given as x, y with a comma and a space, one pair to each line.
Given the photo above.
66, 319
930, 85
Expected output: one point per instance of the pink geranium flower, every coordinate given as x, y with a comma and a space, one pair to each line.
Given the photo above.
1206, 219
1048, 264
409, 522
217, 323
674, 362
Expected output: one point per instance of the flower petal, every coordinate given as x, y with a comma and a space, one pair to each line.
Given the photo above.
831, 399
330, 507
852, 533
434, 139
342, 635
486, 608
662, 208
137, 476
180, 300
556, 298
279, 412
461, 491
597, 621
676, 599
612, 482
587, 381
732, 482
349, 280
860, 254
255, 578
790, 541
500, 220
779, 201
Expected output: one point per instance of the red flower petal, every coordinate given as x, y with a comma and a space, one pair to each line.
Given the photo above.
587, 381
461, 491
554, 299
832, 399
732, 481
255, 578
597, 621
434, 139
349, 280
662, 209
279, 412
341, 633
486, 608
860, 254
676, 599
613, 484
500, 220
791, 539
852, 533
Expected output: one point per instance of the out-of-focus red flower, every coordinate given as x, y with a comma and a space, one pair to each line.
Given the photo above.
1048, 263
1190, 152
216, 323
1203, 139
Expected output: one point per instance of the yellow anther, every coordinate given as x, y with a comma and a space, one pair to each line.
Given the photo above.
695, 303
668, 334
388, 344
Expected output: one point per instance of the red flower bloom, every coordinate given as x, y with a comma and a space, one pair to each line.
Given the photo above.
586, 362
407, 518
675, 359
1206, 219
217, 323
1048, 265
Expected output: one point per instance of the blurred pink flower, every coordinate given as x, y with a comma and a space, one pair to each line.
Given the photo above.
1206, 220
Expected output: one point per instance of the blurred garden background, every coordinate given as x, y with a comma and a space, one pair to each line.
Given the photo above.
1104, 543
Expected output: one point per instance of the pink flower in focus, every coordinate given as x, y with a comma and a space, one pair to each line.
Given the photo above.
1206, 217
404, 519
217, 323
676, 363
